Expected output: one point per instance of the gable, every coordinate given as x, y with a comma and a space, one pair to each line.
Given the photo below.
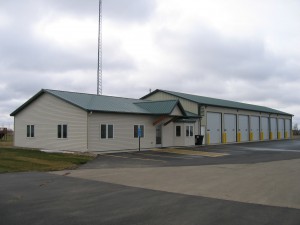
176, 111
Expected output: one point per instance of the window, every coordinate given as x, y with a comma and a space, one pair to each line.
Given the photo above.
30, 130
136, 131
62, 131
110, 131
178, 131
107, 131
189, 131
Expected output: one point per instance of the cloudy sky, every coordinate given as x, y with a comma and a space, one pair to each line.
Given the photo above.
241, 50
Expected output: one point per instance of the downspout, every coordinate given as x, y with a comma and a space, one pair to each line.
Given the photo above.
87, 129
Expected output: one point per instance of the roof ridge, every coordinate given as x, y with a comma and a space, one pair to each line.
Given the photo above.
154, 101
94, 95
242, 105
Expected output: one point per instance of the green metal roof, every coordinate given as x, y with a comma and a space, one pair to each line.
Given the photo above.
101, 103
160, 107
219, 102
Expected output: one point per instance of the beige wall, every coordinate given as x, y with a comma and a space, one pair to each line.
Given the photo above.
187, 105
193, 107
45, 114
123, 131
124, 136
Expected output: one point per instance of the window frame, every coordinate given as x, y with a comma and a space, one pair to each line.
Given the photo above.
189, 130
62, 131
178, 131
30, 131
135, 131
107, 131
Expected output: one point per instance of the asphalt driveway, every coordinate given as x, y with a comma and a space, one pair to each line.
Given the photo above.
255, 183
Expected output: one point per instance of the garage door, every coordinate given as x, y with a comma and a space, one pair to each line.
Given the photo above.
273, 128
243, 128
254, 128
230, 127
280, 128
287, 127
264, 128
213, 128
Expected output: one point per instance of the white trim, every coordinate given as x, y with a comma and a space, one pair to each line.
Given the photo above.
139, 125
106, 131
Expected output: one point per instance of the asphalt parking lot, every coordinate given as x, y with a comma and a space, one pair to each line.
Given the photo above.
251, 183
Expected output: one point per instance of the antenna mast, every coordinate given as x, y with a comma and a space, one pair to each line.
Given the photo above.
99, 70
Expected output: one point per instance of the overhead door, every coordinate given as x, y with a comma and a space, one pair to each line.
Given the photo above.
229, 128
287, 127
280, 128
273, 128
243, 134
264, 128
213, 128
254, 128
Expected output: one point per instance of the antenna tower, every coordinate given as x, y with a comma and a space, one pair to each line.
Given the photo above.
99, 70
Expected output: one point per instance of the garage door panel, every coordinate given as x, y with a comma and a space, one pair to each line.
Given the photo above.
264, 128
280, 129
244, 128
254, 128
273, 128
213, 128
287, 133
230, 127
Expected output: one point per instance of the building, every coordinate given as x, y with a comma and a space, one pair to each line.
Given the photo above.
60, 120
225, 121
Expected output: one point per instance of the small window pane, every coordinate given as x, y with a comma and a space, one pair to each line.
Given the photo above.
32, 131
28, 130
191, 131
65, 131
142, 131
110, 131
58, 131
103, 131
187, 131
135, 131
178, 131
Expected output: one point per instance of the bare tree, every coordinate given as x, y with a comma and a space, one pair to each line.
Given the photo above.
295, 127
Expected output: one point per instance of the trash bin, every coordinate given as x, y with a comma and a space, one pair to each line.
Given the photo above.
198, 139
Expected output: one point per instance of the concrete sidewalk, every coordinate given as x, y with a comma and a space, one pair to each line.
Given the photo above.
270, 183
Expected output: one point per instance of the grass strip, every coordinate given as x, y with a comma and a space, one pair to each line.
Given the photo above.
21, 160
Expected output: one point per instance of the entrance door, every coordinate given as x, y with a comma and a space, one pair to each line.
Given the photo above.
158, 136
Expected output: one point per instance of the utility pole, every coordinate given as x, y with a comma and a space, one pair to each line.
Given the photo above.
99, 69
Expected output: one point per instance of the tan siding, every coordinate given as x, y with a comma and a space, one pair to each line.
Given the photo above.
46, 113
176, 112
123, 131
186, 104
168, 135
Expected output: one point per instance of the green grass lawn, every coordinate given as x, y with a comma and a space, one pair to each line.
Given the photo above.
21, 160
7, 141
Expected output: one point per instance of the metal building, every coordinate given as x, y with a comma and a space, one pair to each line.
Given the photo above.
226, 121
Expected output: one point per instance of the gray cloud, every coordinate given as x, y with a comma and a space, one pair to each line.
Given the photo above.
132, 11
198, 61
